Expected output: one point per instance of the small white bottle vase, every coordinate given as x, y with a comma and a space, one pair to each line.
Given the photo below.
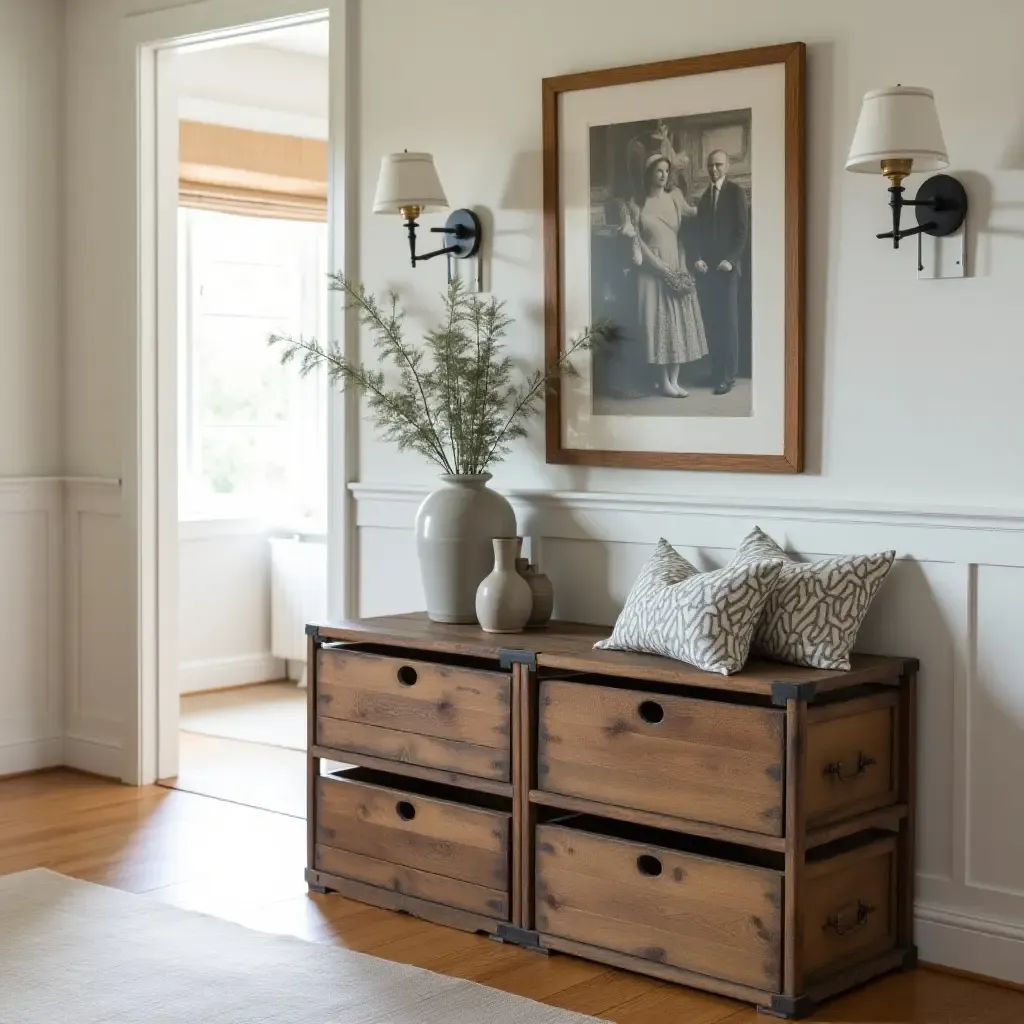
504, 600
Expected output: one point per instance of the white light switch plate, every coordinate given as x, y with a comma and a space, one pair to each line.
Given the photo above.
944, 257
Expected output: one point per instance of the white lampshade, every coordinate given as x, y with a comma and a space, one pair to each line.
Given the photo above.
898, 123
408, 179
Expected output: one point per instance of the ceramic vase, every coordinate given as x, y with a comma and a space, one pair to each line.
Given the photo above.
454, 528
541, 590
504, 600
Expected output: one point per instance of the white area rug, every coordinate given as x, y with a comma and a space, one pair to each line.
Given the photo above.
271, 713
77, 953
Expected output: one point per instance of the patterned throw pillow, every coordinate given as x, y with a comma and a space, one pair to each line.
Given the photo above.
814, 613
704, 618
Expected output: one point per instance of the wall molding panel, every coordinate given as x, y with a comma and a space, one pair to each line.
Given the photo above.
96, 611
31, 605
237, 670
954, 599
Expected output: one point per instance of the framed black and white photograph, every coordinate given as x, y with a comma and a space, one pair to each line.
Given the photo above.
673, 208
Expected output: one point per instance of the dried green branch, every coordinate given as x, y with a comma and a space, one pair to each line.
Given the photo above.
464, 409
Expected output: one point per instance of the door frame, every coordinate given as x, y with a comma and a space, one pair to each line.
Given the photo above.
150, 488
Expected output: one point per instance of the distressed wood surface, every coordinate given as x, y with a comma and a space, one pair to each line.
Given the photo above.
712, 917
570, 646
410, 881
856, 738
796, 842
653, 820
849, 910
702, 760
440, 716
443, 837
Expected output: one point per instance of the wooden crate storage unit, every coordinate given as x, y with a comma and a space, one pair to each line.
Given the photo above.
750, 835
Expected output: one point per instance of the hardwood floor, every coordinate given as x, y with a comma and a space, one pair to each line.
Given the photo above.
246, 865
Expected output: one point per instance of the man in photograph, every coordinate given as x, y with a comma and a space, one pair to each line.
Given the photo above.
723, 223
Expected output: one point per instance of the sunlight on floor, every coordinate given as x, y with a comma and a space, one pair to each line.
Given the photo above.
247, 746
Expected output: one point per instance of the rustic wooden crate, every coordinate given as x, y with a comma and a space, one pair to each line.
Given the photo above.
751, 835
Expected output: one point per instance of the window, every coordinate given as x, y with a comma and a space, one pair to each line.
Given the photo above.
252, 434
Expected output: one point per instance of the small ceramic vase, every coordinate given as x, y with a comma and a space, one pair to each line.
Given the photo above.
504, 600
543, 597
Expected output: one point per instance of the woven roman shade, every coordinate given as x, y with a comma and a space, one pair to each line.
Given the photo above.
259, 174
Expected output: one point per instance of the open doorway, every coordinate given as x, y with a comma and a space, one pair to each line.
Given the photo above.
251, 437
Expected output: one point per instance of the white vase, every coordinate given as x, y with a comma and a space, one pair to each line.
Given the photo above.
454, 528
504, 599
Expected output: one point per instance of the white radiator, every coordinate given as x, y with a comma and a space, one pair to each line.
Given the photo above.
298, 594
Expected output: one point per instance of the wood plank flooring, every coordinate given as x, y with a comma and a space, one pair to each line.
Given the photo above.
246, 865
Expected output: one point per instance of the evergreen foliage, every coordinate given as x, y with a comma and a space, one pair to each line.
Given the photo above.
458, 400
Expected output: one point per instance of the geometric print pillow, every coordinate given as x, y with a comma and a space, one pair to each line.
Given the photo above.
816, 609
704, 618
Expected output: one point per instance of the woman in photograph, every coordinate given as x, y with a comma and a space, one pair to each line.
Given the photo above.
669, 314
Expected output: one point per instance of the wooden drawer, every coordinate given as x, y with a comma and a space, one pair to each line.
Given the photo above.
698, 759
597, 886
849, 908
410, 826
450, 892
437, 716
850, 765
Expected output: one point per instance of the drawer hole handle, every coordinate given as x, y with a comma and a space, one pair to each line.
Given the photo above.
405, 810
648, 865
848, 919
838, 771
651, 712
407, 675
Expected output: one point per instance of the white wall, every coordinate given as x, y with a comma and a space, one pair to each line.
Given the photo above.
911, 387
256, 87
31, 262
224, 606
31, 271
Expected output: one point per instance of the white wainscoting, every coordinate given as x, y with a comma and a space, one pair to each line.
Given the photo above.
955, 599
31, 606
96, 614
224, 605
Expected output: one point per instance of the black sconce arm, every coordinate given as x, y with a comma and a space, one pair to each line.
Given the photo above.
462, 230
420, 257
942, 196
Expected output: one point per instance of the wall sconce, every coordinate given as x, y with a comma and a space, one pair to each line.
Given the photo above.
408, 185
899, 131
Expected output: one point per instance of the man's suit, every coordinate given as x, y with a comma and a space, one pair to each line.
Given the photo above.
723, 226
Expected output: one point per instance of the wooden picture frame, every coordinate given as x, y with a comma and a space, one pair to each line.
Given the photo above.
782, 390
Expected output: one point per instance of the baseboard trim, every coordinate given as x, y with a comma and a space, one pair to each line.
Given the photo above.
94, 757
30, 756
226, 673
985, 979
977, 946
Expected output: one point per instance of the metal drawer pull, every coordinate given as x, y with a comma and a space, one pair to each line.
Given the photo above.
405, 810
407, 675
848, 919
651, 712
648, 865
835, 769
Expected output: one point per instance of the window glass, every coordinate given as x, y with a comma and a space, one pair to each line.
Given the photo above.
253, 435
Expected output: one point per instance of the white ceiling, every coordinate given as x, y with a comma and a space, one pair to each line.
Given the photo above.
311, 38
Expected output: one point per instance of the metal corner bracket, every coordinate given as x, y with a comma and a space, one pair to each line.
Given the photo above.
507, 657
787, 691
